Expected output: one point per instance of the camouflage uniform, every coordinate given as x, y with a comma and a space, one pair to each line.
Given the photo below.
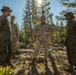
14, 35
71, 42
4, 39
42, 33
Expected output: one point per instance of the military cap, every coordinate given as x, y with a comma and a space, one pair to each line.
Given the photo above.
69, 14
5, 8
13, 16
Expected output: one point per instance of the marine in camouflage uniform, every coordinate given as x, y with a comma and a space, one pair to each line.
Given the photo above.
14, 34
71, 40
42, 33
4, 36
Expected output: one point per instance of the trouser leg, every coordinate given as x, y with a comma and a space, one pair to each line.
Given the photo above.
3, 55
46, 48
69, 56
9, 55
37, 47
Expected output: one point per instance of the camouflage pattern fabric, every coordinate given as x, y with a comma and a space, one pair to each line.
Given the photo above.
4, 39
14, 36
71, 42
42, 33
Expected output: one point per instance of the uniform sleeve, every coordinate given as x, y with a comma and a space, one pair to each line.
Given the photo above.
74, 26
16, 31
2, 21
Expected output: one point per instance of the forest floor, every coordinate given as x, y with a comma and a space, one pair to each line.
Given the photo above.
57, 62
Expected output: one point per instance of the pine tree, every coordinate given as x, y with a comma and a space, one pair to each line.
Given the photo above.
46, 10
68, 3
27, 21
71, 4
61, 28
50, 20
32, 14
35, 12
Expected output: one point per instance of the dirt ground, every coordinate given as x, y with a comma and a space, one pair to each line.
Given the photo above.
57, 62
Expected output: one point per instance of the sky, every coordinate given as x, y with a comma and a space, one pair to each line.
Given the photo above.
18, 5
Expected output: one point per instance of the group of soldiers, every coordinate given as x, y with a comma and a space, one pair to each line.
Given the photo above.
8, 36
42, 31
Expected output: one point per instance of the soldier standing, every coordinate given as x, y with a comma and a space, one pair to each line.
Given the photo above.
42, 32
71, 40
14, 34
5, 36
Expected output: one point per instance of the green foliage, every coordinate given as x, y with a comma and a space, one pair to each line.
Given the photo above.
55, 38
71, 4
21, 35
31, 18
68, 3
6, 71
59, 34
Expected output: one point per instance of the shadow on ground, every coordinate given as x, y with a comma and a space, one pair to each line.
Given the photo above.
56, 72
